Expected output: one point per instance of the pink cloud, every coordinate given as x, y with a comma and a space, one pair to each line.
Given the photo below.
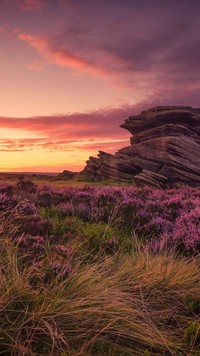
93, 131
112, 146
131, 63
131, 45
32, 5
19, 145
22, 145
36, 65
95, 124
61, 56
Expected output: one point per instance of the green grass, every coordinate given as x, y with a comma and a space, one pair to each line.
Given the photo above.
89, 238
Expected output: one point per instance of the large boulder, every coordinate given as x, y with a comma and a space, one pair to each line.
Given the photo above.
164, 150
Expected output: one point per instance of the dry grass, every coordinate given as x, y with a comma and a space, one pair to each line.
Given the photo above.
40, 180
122, 305
139, 304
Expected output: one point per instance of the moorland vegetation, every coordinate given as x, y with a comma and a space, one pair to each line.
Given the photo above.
99, 270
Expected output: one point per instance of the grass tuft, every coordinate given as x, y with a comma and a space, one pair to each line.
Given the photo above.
126, 304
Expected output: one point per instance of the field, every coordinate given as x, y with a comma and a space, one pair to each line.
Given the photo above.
98, 270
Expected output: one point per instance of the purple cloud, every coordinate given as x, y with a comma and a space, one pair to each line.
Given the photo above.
150, 47
29, 5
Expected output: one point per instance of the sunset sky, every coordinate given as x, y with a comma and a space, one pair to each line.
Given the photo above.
71, 71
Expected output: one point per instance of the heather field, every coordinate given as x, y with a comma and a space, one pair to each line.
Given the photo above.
99, 270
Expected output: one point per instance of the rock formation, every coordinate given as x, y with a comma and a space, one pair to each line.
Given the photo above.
68, 175
164, 150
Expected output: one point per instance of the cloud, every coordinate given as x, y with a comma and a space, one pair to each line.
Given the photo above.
61, 56
72, 132
78, 135
91, 131
17, 145
105, 145
150, 46
24, 145
101, 123
36, 65
29, 144
29, 5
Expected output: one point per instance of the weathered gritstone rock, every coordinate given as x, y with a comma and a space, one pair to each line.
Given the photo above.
66, 174
164, 150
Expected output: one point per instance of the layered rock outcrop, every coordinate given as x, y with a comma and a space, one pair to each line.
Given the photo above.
164, 150
68, 175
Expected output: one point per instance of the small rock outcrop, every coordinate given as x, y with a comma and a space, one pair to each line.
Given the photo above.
164, 150
66, 174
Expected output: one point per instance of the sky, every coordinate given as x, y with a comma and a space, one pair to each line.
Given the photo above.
71, 71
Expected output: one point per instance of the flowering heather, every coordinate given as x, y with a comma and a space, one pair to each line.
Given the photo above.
187, 228
66, 209
171, 216
35, 225
64, 250
5, 201
27, 208
31, 244
8, 189
59, 269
